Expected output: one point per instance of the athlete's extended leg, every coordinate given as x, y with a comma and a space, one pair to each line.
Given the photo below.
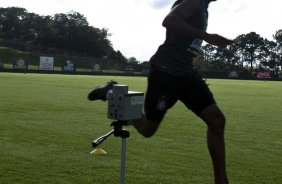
160, 96
146, 127
215, 121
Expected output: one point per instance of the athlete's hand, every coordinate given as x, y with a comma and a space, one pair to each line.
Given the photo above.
217, 40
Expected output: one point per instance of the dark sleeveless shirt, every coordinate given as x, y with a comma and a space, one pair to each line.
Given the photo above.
175, 55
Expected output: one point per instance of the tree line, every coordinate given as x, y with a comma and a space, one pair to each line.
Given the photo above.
249, 52
72, 34
69, 33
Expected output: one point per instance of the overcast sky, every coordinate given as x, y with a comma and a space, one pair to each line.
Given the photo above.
136, 28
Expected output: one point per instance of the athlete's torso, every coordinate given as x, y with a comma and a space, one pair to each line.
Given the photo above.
175, 55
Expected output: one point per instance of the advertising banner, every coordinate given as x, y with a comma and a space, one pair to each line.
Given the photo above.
46, 63
69, 66
20, 63
96, 68
145, 71
264, 75
233, 74
129, 69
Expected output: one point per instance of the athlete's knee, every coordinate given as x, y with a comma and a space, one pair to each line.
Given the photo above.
218, 120
148, 132
146, 127
214, 118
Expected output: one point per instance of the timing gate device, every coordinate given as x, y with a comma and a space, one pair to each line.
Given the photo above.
123, 105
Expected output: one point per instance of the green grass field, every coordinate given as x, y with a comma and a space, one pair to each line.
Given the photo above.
47, 126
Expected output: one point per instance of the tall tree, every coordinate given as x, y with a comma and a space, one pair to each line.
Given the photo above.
269, 57
208, 52
11, 22
278, 38
250, 46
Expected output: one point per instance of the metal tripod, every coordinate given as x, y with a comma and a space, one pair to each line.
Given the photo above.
118, 131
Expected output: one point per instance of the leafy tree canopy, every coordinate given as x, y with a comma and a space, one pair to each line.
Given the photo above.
70, 32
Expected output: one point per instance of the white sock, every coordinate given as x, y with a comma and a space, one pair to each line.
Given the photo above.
109, 92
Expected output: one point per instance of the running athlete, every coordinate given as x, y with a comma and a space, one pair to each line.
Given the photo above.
173, 77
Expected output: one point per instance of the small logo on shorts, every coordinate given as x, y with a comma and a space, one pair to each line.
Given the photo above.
161, 106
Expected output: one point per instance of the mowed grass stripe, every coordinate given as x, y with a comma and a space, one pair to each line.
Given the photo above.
47, 126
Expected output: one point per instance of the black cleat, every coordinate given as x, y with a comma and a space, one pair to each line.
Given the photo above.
100, 93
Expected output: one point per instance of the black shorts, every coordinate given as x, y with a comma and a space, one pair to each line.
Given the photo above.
164, 90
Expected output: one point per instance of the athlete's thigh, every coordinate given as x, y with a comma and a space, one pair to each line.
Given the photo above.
160, 95
196, 94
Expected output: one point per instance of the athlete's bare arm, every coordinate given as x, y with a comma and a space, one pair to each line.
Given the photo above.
175, 21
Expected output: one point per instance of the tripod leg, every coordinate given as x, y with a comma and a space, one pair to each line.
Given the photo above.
101, 139
123, 156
